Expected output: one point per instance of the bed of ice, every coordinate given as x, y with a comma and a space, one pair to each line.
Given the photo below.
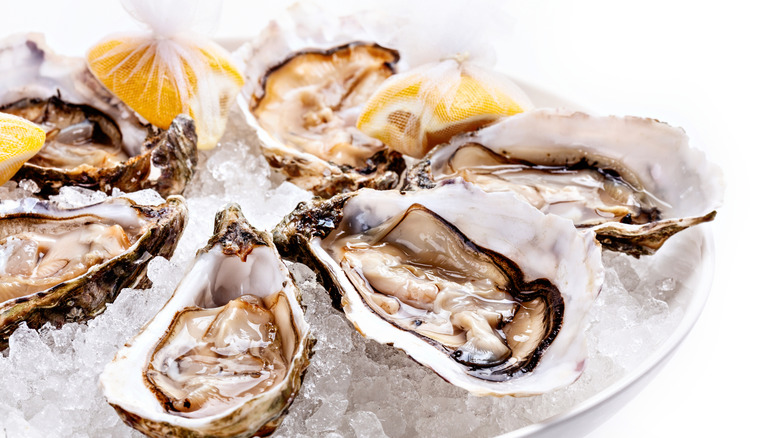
353, 387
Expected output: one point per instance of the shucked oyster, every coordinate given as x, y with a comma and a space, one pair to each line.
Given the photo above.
634, 181
226, 354
62, 265
306, 97
93, 140
481, 287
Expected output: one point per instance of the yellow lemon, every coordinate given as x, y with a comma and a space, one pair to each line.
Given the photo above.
20, 140
414, 112
161, 78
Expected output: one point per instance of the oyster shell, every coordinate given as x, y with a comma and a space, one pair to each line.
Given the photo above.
62, 265
481, 287
305, 92
93, 140
634, 181
226, 354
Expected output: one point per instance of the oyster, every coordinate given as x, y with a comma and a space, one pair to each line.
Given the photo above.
306, 96
60, 265
93, 140
481, 287
226, 354
634, 181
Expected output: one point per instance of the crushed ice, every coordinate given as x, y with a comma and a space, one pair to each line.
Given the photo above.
354, 387
77, 197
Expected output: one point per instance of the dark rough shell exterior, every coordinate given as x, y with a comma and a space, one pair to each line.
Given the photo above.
381, 172
236, 235
315, 218
85, 296
639, 240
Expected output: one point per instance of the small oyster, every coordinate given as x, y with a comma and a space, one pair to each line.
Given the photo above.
93, 140
306, 96
634, 181
61, 265
226, 354
481, 287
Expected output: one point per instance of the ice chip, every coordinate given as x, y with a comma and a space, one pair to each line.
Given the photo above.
29, 186
366, 425
145, 197
76, 197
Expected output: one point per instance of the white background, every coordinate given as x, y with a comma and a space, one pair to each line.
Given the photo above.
708, 66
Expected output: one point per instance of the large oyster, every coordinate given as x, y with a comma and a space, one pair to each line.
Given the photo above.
305, 92
634, 181
484, 289
59, 265
93, 140
226, 354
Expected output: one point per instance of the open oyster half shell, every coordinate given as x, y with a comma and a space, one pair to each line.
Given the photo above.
61, 265
304, 93
634, 181
226, 354
93, 140
481, 287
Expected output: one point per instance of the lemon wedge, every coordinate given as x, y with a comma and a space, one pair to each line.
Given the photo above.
20, 140
160, 78
414, 112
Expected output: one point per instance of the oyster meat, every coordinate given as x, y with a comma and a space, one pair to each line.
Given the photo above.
93, 140
484, 289
634, 181
226, 354
306, 99
60, 265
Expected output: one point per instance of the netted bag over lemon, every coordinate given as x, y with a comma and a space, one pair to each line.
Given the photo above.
170, 69
451, 87
20, 140
414, 111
